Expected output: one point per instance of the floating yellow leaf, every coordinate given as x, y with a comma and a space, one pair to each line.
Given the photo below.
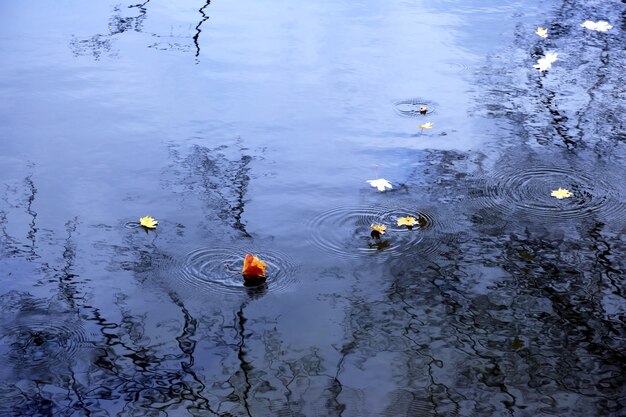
380, 228
381, 184
253, 266
600, 25
561, 193
423, 110
407, 221
148, 222
427, 125
542, 32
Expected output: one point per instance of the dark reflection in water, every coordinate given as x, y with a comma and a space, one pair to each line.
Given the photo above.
219, 176
119, 23
198, 27
504, 301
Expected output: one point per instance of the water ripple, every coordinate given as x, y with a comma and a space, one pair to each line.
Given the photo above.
345, 231
38, 341
528, 191
411, 107
209, 270
453, 67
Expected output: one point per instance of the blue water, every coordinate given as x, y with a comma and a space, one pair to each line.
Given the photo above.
253, 127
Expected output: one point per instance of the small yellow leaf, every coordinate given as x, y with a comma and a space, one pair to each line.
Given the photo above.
542, 32
380, 228
561, 193
407, 221
427, 125
148, 222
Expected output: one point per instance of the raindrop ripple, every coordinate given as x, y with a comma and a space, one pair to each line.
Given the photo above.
527, 192
411, 107
346, 232
219, 270
39, 341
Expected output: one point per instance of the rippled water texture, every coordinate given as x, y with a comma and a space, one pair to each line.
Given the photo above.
253, 127
346, 232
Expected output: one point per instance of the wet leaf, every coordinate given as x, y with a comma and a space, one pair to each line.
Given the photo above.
551, 56
148, 222
542, 65
517, 343
253, 266
599, 26
380, 228
381, 184
542, 32
546, 62
526, 255
561, 193
427, 125
407, 221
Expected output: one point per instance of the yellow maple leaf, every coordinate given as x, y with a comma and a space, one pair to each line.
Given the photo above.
561, 193
148, 222
380, 228
427, 125
542, 32
407, 221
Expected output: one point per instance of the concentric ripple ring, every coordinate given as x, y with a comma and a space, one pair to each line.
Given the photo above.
346, 232
40, 340
411, 107
528, 193
208, 270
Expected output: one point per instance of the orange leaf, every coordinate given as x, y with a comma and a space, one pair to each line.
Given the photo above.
253, 266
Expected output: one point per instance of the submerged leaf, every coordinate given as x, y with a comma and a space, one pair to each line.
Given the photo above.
542, 32
148, 222
599, 26
253, 266
561, 193
381, 184
379, 245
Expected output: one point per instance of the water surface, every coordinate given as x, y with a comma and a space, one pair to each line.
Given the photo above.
253, 127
